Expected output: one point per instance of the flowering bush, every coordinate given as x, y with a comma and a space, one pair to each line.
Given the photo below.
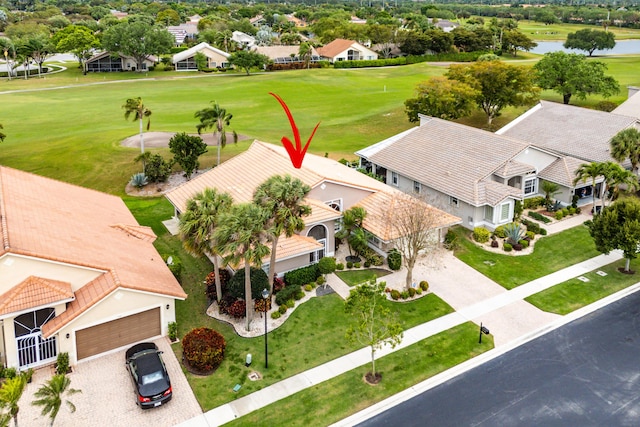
210, 283
238, 309
203, 349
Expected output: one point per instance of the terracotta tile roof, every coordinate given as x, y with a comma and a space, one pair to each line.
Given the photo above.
34, 292
566, 129
53, 220
335, 47
320, 212
433, 155
562, 171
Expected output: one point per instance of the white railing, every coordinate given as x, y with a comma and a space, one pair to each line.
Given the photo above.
33, 350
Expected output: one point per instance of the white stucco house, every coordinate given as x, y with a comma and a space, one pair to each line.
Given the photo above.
186, 60
346, 50
78, 274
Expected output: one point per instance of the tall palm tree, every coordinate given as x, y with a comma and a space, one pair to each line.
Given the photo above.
240, 237
282, 197
590, 170
352, 219
218, 119
616, 176
626, 145
305, 52
50, 395
136, 107
197, 224
10, 394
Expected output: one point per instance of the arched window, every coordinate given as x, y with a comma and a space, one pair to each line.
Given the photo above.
318, 232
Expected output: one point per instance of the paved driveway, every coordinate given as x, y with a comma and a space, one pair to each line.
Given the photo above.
107, 397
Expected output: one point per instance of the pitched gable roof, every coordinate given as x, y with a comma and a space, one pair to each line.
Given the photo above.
180, 56
52, 220
566, 129
34, 292
630, 107
433, 154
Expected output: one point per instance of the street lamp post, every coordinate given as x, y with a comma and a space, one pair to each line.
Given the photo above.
265, 295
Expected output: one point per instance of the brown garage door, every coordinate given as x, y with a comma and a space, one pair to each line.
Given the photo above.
117, 333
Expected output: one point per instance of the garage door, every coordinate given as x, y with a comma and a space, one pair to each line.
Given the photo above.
117, 333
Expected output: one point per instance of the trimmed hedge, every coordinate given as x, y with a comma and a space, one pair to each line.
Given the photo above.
302, 276
394, 259
259, 281
289, 292
539, 217
203, 349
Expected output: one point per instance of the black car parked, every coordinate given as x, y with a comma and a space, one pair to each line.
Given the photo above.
149, 375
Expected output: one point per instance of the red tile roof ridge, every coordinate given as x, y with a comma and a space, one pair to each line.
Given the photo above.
48, 291
142, 232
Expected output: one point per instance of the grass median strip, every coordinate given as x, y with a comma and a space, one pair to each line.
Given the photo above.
356, 277
573, 294
347, 394
551, 253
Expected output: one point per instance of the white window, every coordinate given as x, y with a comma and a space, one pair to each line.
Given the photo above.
394, 178
505, 211
416, 187
530, 186
488, 213
453, 201
319, 254
335, 204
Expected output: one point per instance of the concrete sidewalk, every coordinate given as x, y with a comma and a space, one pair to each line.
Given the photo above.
506, 305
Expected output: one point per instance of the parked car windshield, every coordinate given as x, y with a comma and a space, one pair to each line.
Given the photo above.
152, 377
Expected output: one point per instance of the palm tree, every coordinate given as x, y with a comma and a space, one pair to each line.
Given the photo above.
10, 394
136, 107
218, 119
51, 393
550, 189
352, 219
626, 145
616, 176
282, 197
305, 52
240, 237
224, 41
198, 223
590, 170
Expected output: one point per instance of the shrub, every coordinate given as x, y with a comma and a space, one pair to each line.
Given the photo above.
139, 180
607, 106
210, 282
62, 363
395, 294
507, 247
531, 226
308, 288
418, 291
203, 349
291, 303
404, 294
517, 247
450, 240
565, 212
412, 292
500, 232
424, 285
225, 303
157, 168
339, 266
299, 295
367, 264
481, 235
278, 284
533, 202
531, 235
494, 244
394, 259
349, 264
259, 282
514, 232
283, 309
543, 231
558, 215
302, 276
539, 217
327, 265
286, 294
321, 280
176, 265
172, 329
356, 265
571, 210
524, 243
10, 373
276, 315
262, 305
237, 309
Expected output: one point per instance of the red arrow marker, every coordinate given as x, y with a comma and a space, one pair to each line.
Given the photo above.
296, 154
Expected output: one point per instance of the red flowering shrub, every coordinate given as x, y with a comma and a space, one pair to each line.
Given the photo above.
203, 349
210, 283
259, 304
278, 284
225, 303
238, 309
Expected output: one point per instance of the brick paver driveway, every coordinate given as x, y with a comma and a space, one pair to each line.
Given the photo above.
107, 397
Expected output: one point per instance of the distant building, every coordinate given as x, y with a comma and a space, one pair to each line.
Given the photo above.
346, 50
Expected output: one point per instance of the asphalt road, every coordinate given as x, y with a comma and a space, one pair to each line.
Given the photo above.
586, 373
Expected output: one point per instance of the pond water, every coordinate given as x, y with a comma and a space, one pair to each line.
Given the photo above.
622, 47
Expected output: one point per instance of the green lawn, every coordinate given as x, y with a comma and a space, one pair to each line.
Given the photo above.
573, 294
347, 394
314, 334
74, 133
356, 277
551, 253
558, 32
